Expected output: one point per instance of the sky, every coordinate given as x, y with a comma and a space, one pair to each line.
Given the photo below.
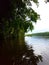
43, 10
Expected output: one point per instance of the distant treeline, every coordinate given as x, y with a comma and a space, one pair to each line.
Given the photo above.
39, 34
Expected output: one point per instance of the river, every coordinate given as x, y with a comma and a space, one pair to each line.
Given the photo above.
40, 46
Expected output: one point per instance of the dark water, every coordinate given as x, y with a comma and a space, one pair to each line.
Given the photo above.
34, 52
18, 54
41, 47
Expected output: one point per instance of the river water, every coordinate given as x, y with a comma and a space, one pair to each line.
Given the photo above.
40, 46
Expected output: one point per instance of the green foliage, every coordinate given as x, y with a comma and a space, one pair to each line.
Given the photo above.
41, 34
22, 12
19, 16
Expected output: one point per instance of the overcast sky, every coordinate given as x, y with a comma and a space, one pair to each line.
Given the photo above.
43, 24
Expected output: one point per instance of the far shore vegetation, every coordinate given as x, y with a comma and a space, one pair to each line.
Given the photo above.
45, 34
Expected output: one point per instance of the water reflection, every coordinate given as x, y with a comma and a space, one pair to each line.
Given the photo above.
41, 47
19, 55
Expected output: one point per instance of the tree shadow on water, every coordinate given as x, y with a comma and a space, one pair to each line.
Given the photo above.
19, 55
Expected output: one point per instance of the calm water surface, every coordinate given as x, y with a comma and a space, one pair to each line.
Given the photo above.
41, 47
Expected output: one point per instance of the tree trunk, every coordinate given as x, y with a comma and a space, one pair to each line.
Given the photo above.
20, 37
